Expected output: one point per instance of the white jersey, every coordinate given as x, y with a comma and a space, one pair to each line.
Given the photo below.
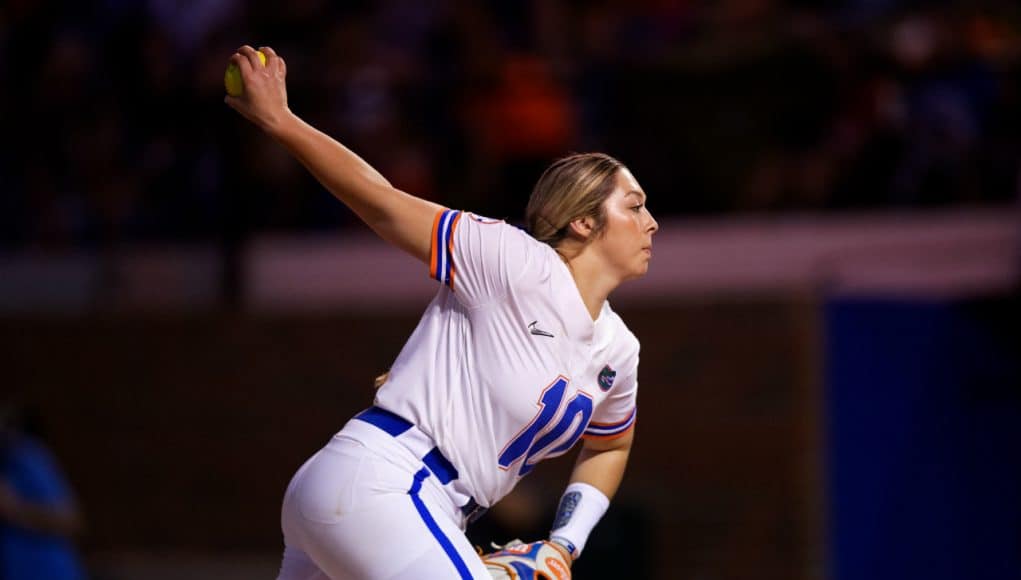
506, 367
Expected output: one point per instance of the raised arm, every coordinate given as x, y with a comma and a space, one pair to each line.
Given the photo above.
399, 218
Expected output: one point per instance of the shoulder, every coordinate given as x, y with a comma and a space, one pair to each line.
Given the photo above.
481, 219
516, 244
466, 220
505, 228
32, 459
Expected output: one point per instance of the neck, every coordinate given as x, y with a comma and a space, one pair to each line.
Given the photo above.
593, 282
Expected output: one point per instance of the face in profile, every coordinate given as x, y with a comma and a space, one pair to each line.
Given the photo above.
626, 241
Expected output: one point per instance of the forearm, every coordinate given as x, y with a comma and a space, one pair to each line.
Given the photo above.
331, 162
358, 185
602, 469
597, 475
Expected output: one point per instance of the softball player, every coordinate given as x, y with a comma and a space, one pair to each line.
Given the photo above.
517, 357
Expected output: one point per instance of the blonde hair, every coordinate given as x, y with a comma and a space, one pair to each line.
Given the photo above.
573, 187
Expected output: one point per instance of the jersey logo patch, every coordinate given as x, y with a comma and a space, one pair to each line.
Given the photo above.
606, 377
538, 331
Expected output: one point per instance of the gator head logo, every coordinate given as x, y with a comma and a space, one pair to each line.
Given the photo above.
606, 377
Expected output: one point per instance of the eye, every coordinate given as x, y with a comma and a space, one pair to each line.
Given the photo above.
637, 207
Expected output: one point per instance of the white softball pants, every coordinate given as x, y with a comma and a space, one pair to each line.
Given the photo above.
365, 507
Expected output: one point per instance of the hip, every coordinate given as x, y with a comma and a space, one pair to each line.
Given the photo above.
362, 466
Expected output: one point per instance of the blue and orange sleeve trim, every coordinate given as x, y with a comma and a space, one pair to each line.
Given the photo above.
441, 263
611, 430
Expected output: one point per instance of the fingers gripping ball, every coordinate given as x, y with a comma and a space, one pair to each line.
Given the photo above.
232, 78
535, 561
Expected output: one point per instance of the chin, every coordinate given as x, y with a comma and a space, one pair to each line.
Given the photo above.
638, 272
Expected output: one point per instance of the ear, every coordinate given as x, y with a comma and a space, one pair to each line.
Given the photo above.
582, 227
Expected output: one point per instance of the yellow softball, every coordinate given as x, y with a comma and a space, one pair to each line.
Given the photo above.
232, 78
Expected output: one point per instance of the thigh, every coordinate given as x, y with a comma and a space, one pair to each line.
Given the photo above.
357, 515
297, 565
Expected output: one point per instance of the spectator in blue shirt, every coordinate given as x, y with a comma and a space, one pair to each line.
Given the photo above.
38, 515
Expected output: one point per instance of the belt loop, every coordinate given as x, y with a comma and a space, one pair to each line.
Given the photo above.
438, 464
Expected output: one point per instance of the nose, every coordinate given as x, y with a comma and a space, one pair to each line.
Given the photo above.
653, 226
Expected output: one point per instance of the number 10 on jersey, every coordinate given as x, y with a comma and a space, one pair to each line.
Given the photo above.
535, 440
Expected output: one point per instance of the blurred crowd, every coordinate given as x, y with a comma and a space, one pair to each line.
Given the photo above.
115, 128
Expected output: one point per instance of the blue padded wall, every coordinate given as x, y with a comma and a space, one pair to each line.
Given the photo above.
923, 404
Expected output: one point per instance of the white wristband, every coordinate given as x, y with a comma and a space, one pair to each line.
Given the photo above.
580, 508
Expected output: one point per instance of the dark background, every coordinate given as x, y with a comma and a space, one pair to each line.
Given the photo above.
116, 130
783, 434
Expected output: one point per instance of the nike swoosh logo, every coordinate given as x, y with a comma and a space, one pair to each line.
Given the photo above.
538, 331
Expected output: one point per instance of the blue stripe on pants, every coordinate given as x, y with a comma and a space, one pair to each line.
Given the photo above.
462, 568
